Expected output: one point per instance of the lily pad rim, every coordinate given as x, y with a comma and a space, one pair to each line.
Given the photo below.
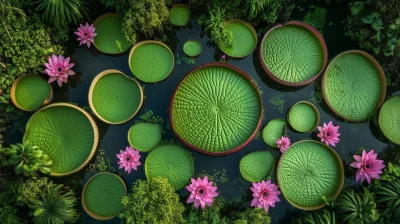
251, 28
315, 110
311, 29
144, 122
379, 120
93, 84
246, 76
176, 6
92, 214
341, 183
193, 40
151, 42
95, 130
14, 87
284, 129
273, 166
100, 18
381, 76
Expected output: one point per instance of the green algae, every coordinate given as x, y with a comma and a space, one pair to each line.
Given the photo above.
316, 17
277, 101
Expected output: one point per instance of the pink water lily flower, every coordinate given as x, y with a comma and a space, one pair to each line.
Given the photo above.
129, 159
329, 134
223, 56
86, 34
265, 195
202, 192
368, 166
59, 69
283, 143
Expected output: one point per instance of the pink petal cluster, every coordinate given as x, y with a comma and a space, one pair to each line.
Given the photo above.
265, 195
202, 192
368, 166
59, 69
329, 134
86, 34
129, 159
223, 56
283, 143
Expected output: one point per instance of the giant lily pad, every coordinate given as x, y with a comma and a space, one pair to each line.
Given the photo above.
257, 166
144, 136
389, 119
179, 15
114, 97
67, 133
303, 116
244, 39
30, 92
309, 171
216, 109
171, 162
293, 54
273, 130
110, 39
151, 61
102, 195
354, 85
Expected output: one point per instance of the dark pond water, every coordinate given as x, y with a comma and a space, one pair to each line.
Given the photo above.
276, 100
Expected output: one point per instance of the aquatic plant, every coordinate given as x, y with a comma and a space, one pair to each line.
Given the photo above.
86, 34
303, 116
144, 136
265, 194
274, 129
392, 172
323, 216
61, 13
329, 134
179, 15
26, 158
256, 166
353, 207
202, 192
368, 166
213, 24
129, 159
316, 17
283, 144
389, 119
252, 216
59, 68
192, 48
152, 201
388, 197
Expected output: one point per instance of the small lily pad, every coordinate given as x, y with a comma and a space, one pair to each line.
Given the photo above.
273, 130
192, 48
179, 15
303, 116
257, 166
144, 136
389, 119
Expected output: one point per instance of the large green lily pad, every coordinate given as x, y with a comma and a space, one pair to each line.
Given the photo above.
179, 15
309, 171
171, 162
114, 97
389, 119
110, 39
303, 116
273, 130
102, 195
151, 61
144, 136
354, 85
216, 109
244, 39
294, 54
67, 133
30, 92
257, 166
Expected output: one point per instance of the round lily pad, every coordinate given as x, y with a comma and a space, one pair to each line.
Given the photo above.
30, 92
192, 48
257, 166
303, 117
244, 39
151, 61
171, 162
102, 195
309, 171
354, 85
67, 133
144, 136
389, 119
110, 39
273, 130
179, 15
216, 109
293, 54
114, 97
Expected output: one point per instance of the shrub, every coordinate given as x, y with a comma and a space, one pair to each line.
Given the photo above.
9, 205
388, 198
213, 24
253, 216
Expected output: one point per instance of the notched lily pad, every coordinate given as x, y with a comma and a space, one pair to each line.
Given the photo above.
257, 166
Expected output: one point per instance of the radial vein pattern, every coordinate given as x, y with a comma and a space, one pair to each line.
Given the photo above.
215, 109
389, 119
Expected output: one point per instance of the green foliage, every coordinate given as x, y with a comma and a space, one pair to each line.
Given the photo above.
9, 206
391, 172
252, 216
26, 158
353, 207
61, 13
152, 201
388, 198
213, 23
316, 17
145, 19
255, 9
319, 217
208, 215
